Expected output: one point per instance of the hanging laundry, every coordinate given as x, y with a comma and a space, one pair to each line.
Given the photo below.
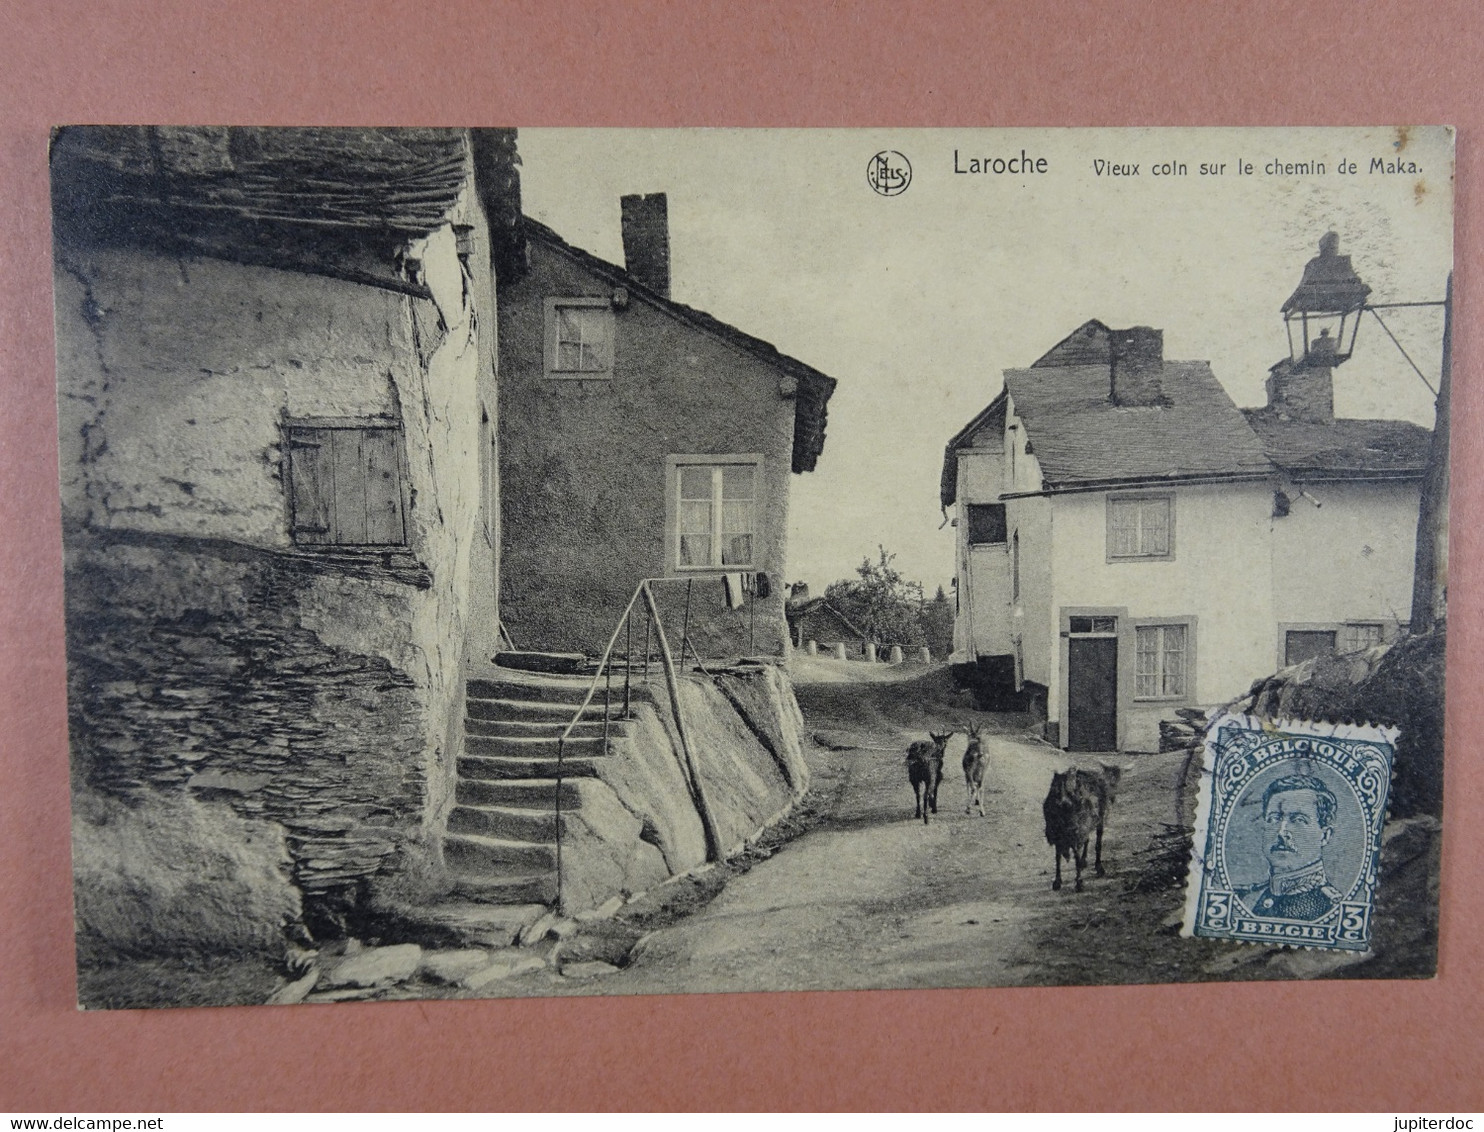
732, 586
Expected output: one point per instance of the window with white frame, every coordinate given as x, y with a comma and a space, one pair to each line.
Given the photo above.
579, 338
1160, 662
1141, 527
1358, 636
716, 510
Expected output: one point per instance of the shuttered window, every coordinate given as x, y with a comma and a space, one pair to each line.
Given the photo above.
345, 483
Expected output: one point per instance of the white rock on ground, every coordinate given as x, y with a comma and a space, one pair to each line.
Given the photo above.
454, 966
503, 967
376, 965
536, 931
293, 992
602, 911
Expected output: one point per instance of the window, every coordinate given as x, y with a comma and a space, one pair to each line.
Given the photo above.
1300, 645
1141, 527
1159, 662
716, 514
579, 338
986, 524
1354, 638
345, 482
1100, 625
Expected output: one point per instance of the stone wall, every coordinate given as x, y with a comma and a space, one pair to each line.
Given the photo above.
638, 822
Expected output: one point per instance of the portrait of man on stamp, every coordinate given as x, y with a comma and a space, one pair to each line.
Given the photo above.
1298, 817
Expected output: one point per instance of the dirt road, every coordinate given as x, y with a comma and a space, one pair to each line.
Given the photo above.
868, 897
871, 897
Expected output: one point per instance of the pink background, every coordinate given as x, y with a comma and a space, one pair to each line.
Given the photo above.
1332, 1045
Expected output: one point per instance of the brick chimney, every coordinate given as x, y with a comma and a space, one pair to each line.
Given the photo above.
1298, 392
646, 240
1138, 361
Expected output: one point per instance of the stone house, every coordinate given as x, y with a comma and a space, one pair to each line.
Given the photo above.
1130, 542
276, 388
642, 438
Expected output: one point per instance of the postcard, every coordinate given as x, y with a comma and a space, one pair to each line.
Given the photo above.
521, 562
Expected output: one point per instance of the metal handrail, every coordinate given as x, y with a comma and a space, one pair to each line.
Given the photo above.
688, 769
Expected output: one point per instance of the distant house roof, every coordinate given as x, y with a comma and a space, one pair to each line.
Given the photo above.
343, 201
1345, 448
818, 608
1082, 439
992, 416
811, 403
1194, 432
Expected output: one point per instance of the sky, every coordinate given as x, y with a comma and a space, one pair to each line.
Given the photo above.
917, 302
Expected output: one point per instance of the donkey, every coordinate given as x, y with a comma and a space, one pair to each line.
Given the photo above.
974, 767
925, 772
1076, 806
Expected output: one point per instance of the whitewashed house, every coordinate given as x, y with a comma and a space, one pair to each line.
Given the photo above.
1130, 542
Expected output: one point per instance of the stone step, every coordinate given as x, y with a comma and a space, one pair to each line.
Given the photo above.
520, 793
487, 768
535, 747
509, 822
520, 686
534, 711
538, 888
544, 728
458, 923
474, 853
558, 662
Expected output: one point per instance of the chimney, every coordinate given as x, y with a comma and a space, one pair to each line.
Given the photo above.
1138, 361
646, 240
1302, 392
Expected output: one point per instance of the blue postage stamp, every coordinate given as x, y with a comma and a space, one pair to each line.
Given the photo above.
1288, 832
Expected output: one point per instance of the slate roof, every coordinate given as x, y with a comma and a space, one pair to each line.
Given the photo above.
404, 179
341, 201
794, 614
1345, 448
1081, 439
811, 403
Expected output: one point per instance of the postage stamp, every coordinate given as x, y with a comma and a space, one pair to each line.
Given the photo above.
1288, 832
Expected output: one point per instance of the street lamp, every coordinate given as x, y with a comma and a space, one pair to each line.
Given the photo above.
1325, 309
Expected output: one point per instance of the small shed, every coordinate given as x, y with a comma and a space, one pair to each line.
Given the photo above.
818, 620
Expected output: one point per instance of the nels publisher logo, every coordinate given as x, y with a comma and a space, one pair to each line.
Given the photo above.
889, 173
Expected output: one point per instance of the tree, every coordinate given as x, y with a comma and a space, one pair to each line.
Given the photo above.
881, 603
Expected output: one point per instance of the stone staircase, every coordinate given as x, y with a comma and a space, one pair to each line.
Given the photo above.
501, 843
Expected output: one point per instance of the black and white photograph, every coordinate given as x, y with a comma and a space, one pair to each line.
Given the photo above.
515, 562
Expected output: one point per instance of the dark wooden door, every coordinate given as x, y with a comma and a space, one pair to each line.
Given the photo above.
1092, 693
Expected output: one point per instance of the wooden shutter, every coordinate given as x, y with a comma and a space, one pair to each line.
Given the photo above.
346, 486
311, 485
383, 487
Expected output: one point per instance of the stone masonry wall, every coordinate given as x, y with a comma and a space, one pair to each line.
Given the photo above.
189, 671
